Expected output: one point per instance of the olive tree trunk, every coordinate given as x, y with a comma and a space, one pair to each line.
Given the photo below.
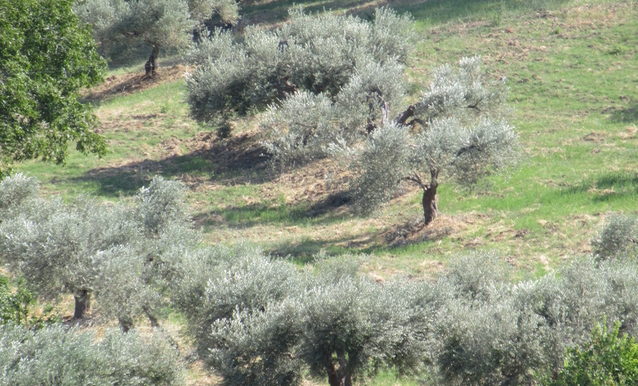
151, 64
125, 324
338, 376
430, 209
82, 303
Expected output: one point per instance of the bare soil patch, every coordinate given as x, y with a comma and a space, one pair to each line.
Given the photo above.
134, 82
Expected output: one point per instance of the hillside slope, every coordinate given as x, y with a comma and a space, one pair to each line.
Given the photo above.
573, 78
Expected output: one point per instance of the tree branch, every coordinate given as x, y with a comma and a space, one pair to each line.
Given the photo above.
417, 180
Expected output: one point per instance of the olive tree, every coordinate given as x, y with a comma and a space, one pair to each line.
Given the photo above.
124, 255
334, 86
618, 238
504, 332
58, 355
456, 130
159, 24
313, 55
59, 248
255, 320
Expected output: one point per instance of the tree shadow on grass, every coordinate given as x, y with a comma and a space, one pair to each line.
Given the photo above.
608, 187
626, 115
390, 239
330, 210
237, 160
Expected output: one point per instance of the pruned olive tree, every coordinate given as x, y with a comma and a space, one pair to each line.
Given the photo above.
159, 24
310, 58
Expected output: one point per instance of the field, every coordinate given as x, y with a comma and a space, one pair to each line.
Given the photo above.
572, 73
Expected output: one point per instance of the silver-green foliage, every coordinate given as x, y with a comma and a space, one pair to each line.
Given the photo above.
218, 282
59, 248
165, 24
125, 255
318, 54
618, 238
14, 190
253, 318
304, 125
515, 332
456, 131
258, 320
258, 347
56, 355
353, 327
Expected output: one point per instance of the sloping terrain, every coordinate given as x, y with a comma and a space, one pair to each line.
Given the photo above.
573, 78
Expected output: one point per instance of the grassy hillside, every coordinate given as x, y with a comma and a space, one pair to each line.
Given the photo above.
572, 69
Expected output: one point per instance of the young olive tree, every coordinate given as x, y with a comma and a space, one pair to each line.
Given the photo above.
311, 55
159, 24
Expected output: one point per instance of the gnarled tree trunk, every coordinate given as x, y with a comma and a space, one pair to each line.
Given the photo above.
151, 64
338, 376
82, 304
430, 210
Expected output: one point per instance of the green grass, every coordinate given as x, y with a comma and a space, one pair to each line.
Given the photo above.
572, 75
572, 70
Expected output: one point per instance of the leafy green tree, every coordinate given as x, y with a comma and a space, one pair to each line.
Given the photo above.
608, 358
46, 57
17, 305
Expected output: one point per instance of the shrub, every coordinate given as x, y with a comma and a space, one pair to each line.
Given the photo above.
17, 306
618, 238
608, 358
